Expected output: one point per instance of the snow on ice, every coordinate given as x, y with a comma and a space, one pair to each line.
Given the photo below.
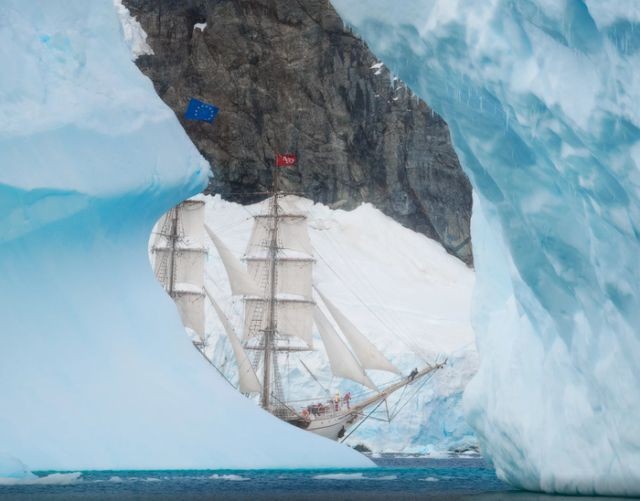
96, 370
543, 102
134, 36
408, 296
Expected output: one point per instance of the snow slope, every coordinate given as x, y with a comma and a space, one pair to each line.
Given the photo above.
543, 102
96, 371
401, 288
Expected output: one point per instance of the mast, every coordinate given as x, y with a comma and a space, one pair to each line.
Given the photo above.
173, 237
270, 332
179, 261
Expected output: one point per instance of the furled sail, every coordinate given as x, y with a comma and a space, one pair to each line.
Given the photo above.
240, 282
293, 275
343, 363
368, 355
293, 234
293, 318
247, 379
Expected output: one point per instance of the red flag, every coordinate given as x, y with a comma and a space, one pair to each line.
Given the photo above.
286, 159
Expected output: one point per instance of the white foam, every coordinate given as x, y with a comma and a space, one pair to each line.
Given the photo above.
230, 477
340, 476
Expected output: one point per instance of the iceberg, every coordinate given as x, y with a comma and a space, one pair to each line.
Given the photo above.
12, 469
542, 99
96, 370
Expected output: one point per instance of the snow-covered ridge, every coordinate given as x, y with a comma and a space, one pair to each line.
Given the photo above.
542, 99
409, 297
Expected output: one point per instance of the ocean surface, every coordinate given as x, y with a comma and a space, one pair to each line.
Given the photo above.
398, 477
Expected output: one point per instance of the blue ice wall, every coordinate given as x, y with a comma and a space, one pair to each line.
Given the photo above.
543, 103
96, 371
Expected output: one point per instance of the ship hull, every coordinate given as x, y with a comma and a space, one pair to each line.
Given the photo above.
333, 427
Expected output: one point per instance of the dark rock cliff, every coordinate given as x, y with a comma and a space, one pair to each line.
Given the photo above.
289, 76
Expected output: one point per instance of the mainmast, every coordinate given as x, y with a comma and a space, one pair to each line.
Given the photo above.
270, 332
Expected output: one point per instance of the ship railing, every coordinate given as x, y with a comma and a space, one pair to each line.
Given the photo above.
315, 409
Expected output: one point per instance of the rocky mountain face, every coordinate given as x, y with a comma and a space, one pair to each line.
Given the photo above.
288, 76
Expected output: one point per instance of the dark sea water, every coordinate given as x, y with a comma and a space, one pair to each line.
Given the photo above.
398, 477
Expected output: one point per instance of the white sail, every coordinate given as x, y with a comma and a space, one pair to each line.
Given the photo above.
293, 275
293, 318
343, 363
240, 282
292, 234
192, 221
247, 379
179, 260
368, 355
188, 267
191, 308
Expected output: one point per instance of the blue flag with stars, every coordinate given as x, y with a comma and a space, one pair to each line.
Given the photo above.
197, 110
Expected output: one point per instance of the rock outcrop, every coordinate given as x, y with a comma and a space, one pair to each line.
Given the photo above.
289, 76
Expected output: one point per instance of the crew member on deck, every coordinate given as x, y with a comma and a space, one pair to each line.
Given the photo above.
347, 399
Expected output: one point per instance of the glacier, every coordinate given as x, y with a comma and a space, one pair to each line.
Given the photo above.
96, 370
409, 297
542, 98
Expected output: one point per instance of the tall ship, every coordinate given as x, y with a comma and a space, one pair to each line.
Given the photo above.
282, 306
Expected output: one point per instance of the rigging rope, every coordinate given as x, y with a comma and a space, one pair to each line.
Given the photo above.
418, 350
360, 423
426, 380
370, 287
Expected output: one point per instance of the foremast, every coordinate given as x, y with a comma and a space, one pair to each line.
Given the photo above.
179, 255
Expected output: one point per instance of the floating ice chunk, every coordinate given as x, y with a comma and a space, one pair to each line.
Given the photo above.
13, 468
340, 476
354, 476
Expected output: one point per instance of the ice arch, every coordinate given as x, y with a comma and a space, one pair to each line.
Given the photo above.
543, 103
95, 369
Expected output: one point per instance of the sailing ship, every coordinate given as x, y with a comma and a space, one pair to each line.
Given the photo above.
281, 306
